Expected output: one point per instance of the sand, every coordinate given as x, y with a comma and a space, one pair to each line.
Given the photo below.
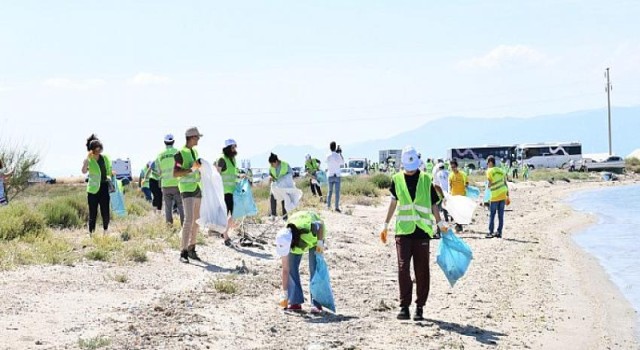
534, 289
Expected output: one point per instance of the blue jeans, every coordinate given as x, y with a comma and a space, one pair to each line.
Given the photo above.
499, 208
296, 296
147, 193
334, 185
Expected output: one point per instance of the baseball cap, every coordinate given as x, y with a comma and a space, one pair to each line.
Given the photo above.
168, 138
230, 142
193, 132
410, 160
283, 242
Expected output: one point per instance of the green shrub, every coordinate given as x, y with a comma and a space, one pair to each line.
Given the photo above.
59, 214
359, 187
97, 255
382, 181
136, 206
137, 254
18, 220
93, 343
225, 285
79, 204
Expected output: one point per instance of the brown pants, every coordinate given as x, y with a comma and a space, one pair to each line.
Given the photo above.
190, 227
418, 249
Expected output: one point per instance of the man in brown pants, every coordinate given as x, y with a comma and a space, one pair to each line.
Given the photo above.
416, 201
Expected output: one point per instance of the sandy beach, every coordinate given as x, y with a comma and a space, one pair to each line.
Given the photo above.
534, 289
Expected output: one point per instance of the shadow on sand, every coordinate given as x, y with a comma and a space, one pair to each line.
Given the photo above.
482, 335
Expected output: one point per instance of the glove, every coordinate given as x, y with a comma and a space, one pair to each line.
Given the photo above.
284, 299
442, 225
320, 247
384, 232
196, 166
508, 201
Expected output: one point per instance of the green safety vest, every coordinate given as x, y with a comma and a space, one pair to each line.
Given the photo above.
303, 220
429, 167
498, 184
95, 175
154, 171
167, 162
145, 184
229, 176
413, 213
284, 169
312, 165
190, 182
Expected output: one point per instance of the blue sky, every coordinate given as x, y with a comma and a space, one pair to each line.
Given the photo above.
296, 72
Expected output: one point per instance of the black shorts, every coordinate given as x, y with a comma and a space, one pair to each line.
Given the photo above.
228, 200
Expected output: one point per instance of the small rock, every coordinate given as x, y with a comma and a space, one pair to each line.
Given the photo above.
39, 342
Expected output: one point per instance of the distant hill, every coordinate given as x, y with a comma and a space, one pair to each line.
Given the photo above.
434, 138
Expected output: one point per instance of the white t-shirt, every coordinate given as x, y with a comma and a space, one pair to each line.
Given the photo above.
442, 180
334, 163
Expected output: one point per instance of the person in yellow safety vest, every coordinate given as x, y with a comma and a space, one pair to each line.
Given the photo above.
304, 232
228, 169
458, 183
279, 172
429, 167
416, 201
499, 195
98, 166
165, 161
152, 177
187, 171
144, 185
312, 166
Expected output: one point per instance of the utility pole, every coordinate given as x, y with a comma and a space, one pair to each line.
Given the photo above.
608, 89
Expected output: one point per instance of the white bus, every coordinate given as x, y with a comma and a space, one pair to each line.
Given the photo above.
549, 155
476, 157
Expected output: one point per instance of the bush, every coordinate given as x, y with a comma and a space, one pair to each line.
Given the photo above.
136, 206
137, 254
58, 213
359, 187
18, 220
225, 286
79, 204
97, 255
382, 181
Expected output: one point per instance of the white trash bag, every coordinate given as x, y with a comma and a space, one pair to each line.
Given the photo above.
213, 210
461, 208
290, 195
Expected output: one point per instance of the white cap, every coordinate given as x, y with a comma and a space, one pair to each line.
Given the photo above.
168, 138
410, 160
230, 142
283, 242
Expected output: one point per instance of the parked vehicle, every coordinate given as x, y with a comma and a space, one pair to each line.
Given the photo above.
614, 164
122, 168
549, 155
37, 177
359, 165
259, 177
344, 172
476, 157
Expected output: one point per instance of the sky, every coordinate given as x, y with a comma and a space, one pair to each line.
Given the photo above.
296, 72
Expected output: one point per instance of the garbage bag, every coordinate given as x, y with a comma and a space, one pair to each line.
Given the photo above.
117, 199
454, 257
290, 195
213, 210
243, 202
473, 192
321, 176
460, 208
487, 195
320, 285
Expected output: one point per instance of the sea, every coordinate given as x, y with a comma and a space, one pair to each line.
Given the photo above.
615, 239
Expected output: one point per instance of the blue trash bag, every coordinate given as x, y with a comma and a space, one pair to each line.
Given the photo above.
487, 195
243, 203
320, 285
321, 176
454, 257
473, 192
117, 199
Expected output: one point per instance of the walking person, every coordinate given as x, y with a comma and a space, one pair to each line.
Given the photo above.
152, 176
441, 183
144, 184
187, 171
416, 201
280, 172
98, 166
304, 233
229, 171
334, 164
458, 183
312, 166
499, 194
5, 176
170, 193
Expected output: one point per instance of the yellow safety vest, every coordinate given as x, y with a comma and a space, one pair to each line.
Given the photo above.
498, 185
166, 161
284, 169
229, 176
303, 220
95, 175
413, 213
190, 182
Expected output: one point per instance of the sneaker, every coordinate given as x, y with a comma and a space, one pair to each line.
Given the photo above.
316, 310
499, 235
338, 211
418, 314
285, 217
489, 235
404, 313
191, 253
184, 257
227, 242
295, 307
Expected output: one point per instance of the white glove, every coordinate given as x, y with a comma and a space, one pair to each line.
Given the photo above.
284, 299
442, 225
320, 246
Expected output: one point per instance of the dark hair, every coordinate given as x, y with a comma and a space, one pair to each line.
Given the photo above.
227, 151
273, 158
95, 144
454, 162
333, 146
169, 143
1, 163
91, 138
492, 160
295, 236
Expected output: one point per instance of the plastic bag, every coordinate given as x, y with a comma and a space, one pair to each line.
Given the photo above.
243, 203
321, 176
487, 195
320, 285
473, 192
460, 208
213, 210
117, 199
454, 257
290, 195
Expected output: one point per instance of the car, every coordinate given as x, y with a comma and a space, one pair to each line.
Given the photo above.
259, 177
613, 164
38, 177
345, 172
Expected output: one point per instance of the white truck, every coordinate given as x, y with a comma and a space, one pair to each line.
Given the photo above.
359, 165
614, 164
122, 168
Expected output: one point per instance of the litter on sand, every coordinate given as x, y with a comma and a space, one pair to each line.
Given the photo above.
454, 257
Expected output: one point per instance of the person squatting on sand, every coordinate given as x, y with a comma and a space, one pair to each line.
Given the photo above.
416, 200
304, 232
98, 166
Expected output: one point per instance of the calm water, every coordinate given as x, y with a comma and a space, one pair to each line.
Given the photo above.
615, 239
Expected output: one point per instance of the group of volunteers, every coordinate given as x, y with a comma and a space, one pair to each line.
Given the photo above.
417, 193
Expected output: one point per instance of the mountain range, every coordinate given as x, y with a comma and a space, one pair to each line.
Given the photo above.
433, 138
